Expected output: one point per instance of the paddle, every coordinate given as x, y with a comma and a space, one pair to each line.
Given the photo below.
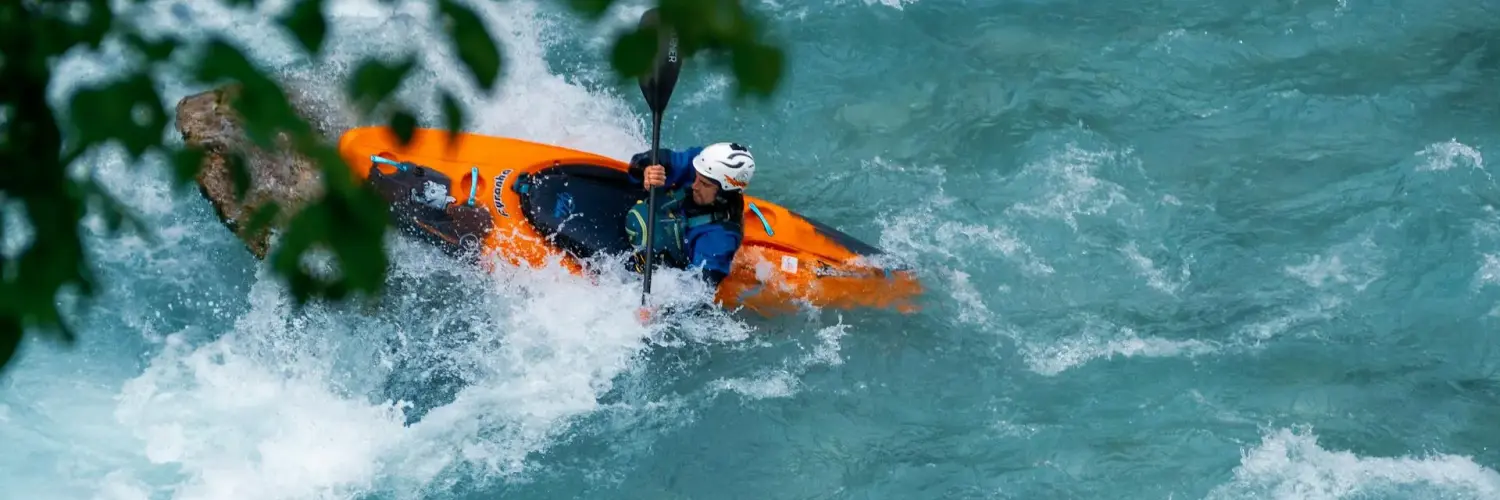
656, 87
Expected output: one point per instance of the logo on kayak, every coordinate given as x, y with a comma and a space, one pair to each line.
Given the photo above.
499, 200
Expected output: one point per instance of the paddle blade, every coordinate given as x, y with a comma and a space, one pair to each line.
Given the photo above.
658, 84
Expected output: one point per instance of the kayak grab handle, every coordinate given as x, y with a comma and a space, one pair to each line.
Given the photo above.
473, 183
400, 165
762, 217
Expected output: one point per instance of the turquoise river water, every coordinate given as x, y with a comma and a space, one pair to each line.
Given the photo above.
1174, 249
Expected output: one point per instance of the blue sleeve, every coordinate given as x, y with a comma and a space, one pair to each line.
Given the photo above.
714, 249
679, 165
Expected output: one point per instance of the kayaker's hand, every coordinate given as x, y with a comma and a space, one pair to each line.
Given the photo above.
655, 176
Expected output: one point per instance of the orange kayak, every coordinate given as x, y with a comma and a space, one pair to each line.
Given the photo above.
527, 202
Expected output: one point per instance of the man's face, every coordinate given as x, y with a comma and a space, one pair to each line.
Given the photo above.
704, 190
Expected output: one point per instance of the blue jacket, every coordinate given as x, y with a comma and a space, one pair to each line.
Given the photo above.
711, 246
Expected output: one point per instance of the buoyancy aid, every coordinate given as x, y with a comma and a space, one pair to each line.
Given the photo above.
676, 216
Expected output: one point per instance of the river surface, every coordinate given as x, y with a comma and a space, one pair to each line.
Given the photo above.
1174, 249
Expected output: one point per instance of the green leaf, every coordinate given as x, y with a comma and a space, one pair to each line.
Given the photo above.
300, 235
116, 215
222, 61
337, 175
129, 110
476, 48
758, 68
55, 257
338, 178
404, 125
305, 20
634, 52
591, 10
187, 162
10, 338
37, 179
351, 220
263, 217
96, 25
357, 243
239, 173
82, 107
374, 81
260, 102
453, 115
154, 51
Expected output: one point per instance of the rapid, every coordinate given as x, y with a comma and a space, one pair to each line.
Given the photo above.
1178, 249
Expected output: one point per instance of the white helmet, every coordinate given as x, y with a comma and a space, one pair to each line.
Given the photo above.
727, 163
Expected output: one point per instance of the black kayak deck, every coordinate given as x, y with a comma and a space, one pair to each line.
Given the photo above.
581, 207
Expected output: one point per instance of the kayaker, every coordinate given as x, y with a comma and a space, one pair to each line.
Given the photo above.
700, 211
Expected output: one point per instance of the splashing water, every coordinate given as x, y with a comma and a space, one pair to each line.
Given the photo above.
1172, 250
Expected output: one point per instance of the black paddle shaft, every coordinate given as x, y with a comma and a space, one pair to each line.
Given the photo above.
657, 87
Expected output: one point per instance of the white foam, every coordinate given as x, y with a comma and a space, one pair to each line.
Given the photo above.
917, 232
1071, 187
1155, 276
287, 404
1355, 263
621, 15
1446, 155
255, 412
1343, 269
717, 88
776, 384
1290, 464
1489, 271
827, 350
895, 4
120, 485
290, 406
1101, 340
974, 311
17, 231
784, 382
1319, 308
556, 356
538, 105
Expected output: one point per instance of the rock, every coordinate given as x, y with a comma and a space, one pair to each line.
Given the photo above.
206, 121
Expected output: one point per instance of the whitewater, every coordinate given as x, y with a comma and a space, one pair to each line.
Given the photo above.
1173, 250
